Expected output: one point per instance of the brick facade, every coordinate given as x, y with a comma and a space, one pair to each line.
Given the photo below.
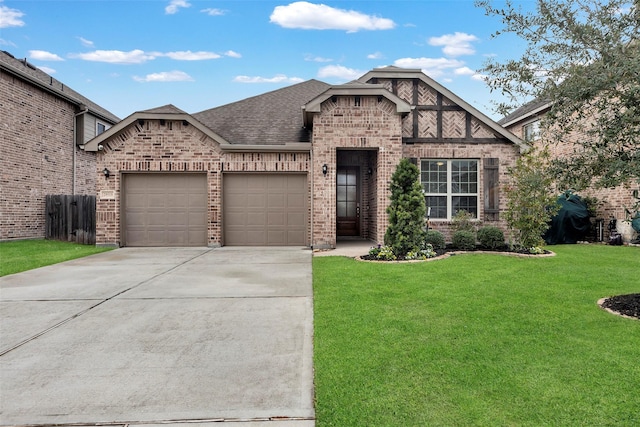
366, 127
373, 127
612, 202
37, 156
175, 146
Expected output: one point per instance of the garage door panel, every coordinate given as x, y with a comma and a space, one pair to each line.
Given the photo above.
165, 209
274, 208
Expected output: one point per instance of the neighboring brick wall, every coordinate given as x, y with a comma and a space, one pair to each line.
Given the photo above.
506, 152
613, 201
36, 133
175, 147
373, 125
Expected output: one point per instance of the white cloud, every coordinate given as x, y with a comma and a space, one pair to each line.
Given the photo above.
456, 44
85, 42
43, 55
433, 67
174, 6
376, 55
165, 76
135, 56
213, 12
279, 78
10, 17
309, 16
187, 55
47, 70
480, 77
232, 54
339, 71
4, 42
464, 71
311, 58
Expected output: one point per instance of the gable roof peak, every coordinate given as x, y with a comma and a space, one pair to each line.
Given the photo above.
165, 109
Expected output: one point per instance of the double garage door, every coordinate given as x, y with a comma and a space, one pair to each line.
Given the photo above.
171, 209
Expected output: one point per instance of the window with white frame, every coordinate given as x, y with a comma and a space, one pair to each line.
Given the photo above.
450, 186
531, 131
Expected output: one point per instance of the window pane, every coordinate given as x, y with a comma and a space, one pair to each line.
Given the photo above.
351, 209
341, 178
438, 205
341, 193
464, 176
465, 203
351, 193
433, 175
351, 178
342, 208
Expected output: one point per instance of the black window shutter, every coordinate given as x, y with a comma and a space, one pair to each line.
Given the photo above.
491, 189
413, 160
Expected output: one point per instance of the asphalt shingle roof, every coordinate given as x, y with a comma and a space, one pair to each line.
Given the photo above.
30, 72
272, 118
523, 111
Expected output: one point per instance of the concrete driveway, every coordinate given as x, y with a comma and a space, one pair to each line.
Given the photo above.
160, 335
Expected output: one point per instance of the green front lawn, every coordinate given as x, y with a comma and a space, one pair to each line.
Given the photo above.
477, 340
25, 255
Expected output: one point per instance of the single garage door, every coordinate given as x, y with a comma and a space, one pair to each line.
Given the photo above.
165, 209
265, 209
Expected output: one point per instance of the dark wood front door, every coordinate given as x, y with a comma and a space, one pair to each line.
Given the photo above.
347, 202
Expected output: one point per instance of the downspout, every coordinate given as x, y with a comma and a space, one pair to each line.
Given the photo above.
83, 110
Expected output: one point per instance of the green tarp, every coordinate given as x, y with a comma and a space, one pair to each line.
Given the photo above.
571, 223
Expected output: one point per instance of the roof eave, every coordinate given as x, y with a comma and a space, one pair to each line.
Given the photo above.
528, 115
93, 144
60, 94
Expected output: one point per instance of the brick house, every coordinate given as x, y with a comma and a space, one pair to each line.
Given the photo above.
43, 123
613, 202
303, 165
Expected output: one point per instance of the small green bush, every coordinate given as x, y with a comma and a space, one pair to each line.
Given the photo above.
464, 240
435, 239
462, 221
491, 237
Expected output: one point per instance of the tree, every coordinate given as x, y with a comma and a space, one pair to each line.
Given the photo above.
407, 210
530, 200
584, 58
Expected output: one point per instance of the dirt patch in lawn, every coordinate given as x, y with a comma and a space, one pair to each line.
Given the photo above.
622, 305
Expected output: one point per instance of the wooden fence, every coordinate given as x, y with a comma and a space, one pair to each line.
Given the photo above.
71, 218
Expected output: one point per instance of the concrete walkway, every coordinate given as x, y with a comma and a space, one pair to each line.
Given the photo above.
160, 336
348, 247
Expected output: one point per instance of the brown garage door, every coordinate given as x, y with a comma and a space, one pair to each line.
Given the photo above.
265, 210
167, 209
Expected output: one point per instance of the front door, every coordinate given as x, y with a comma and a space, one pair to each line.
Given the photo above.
347, 202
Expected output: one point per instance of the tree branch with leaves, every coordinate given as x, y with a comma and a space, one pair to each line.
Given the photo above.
583, 57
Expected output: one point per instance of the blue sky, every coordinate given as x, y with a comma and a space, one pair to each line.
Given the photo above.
135, 55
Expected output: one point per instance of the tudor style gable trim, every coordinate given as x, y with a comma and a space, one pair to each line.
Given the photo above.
471, 114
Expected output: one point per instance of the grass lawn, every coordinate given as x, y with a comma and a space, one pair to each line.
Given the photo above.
25, 255
477, 340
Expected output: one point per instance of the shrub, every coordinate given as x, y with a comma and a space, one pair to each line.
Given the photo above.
435, 239
424, 253
464, 240
530, 200
462, 221
491, 237
407, 210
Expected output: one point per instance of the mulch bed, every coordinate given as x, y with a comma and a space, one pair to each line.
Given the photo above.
444, 253
625, 305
